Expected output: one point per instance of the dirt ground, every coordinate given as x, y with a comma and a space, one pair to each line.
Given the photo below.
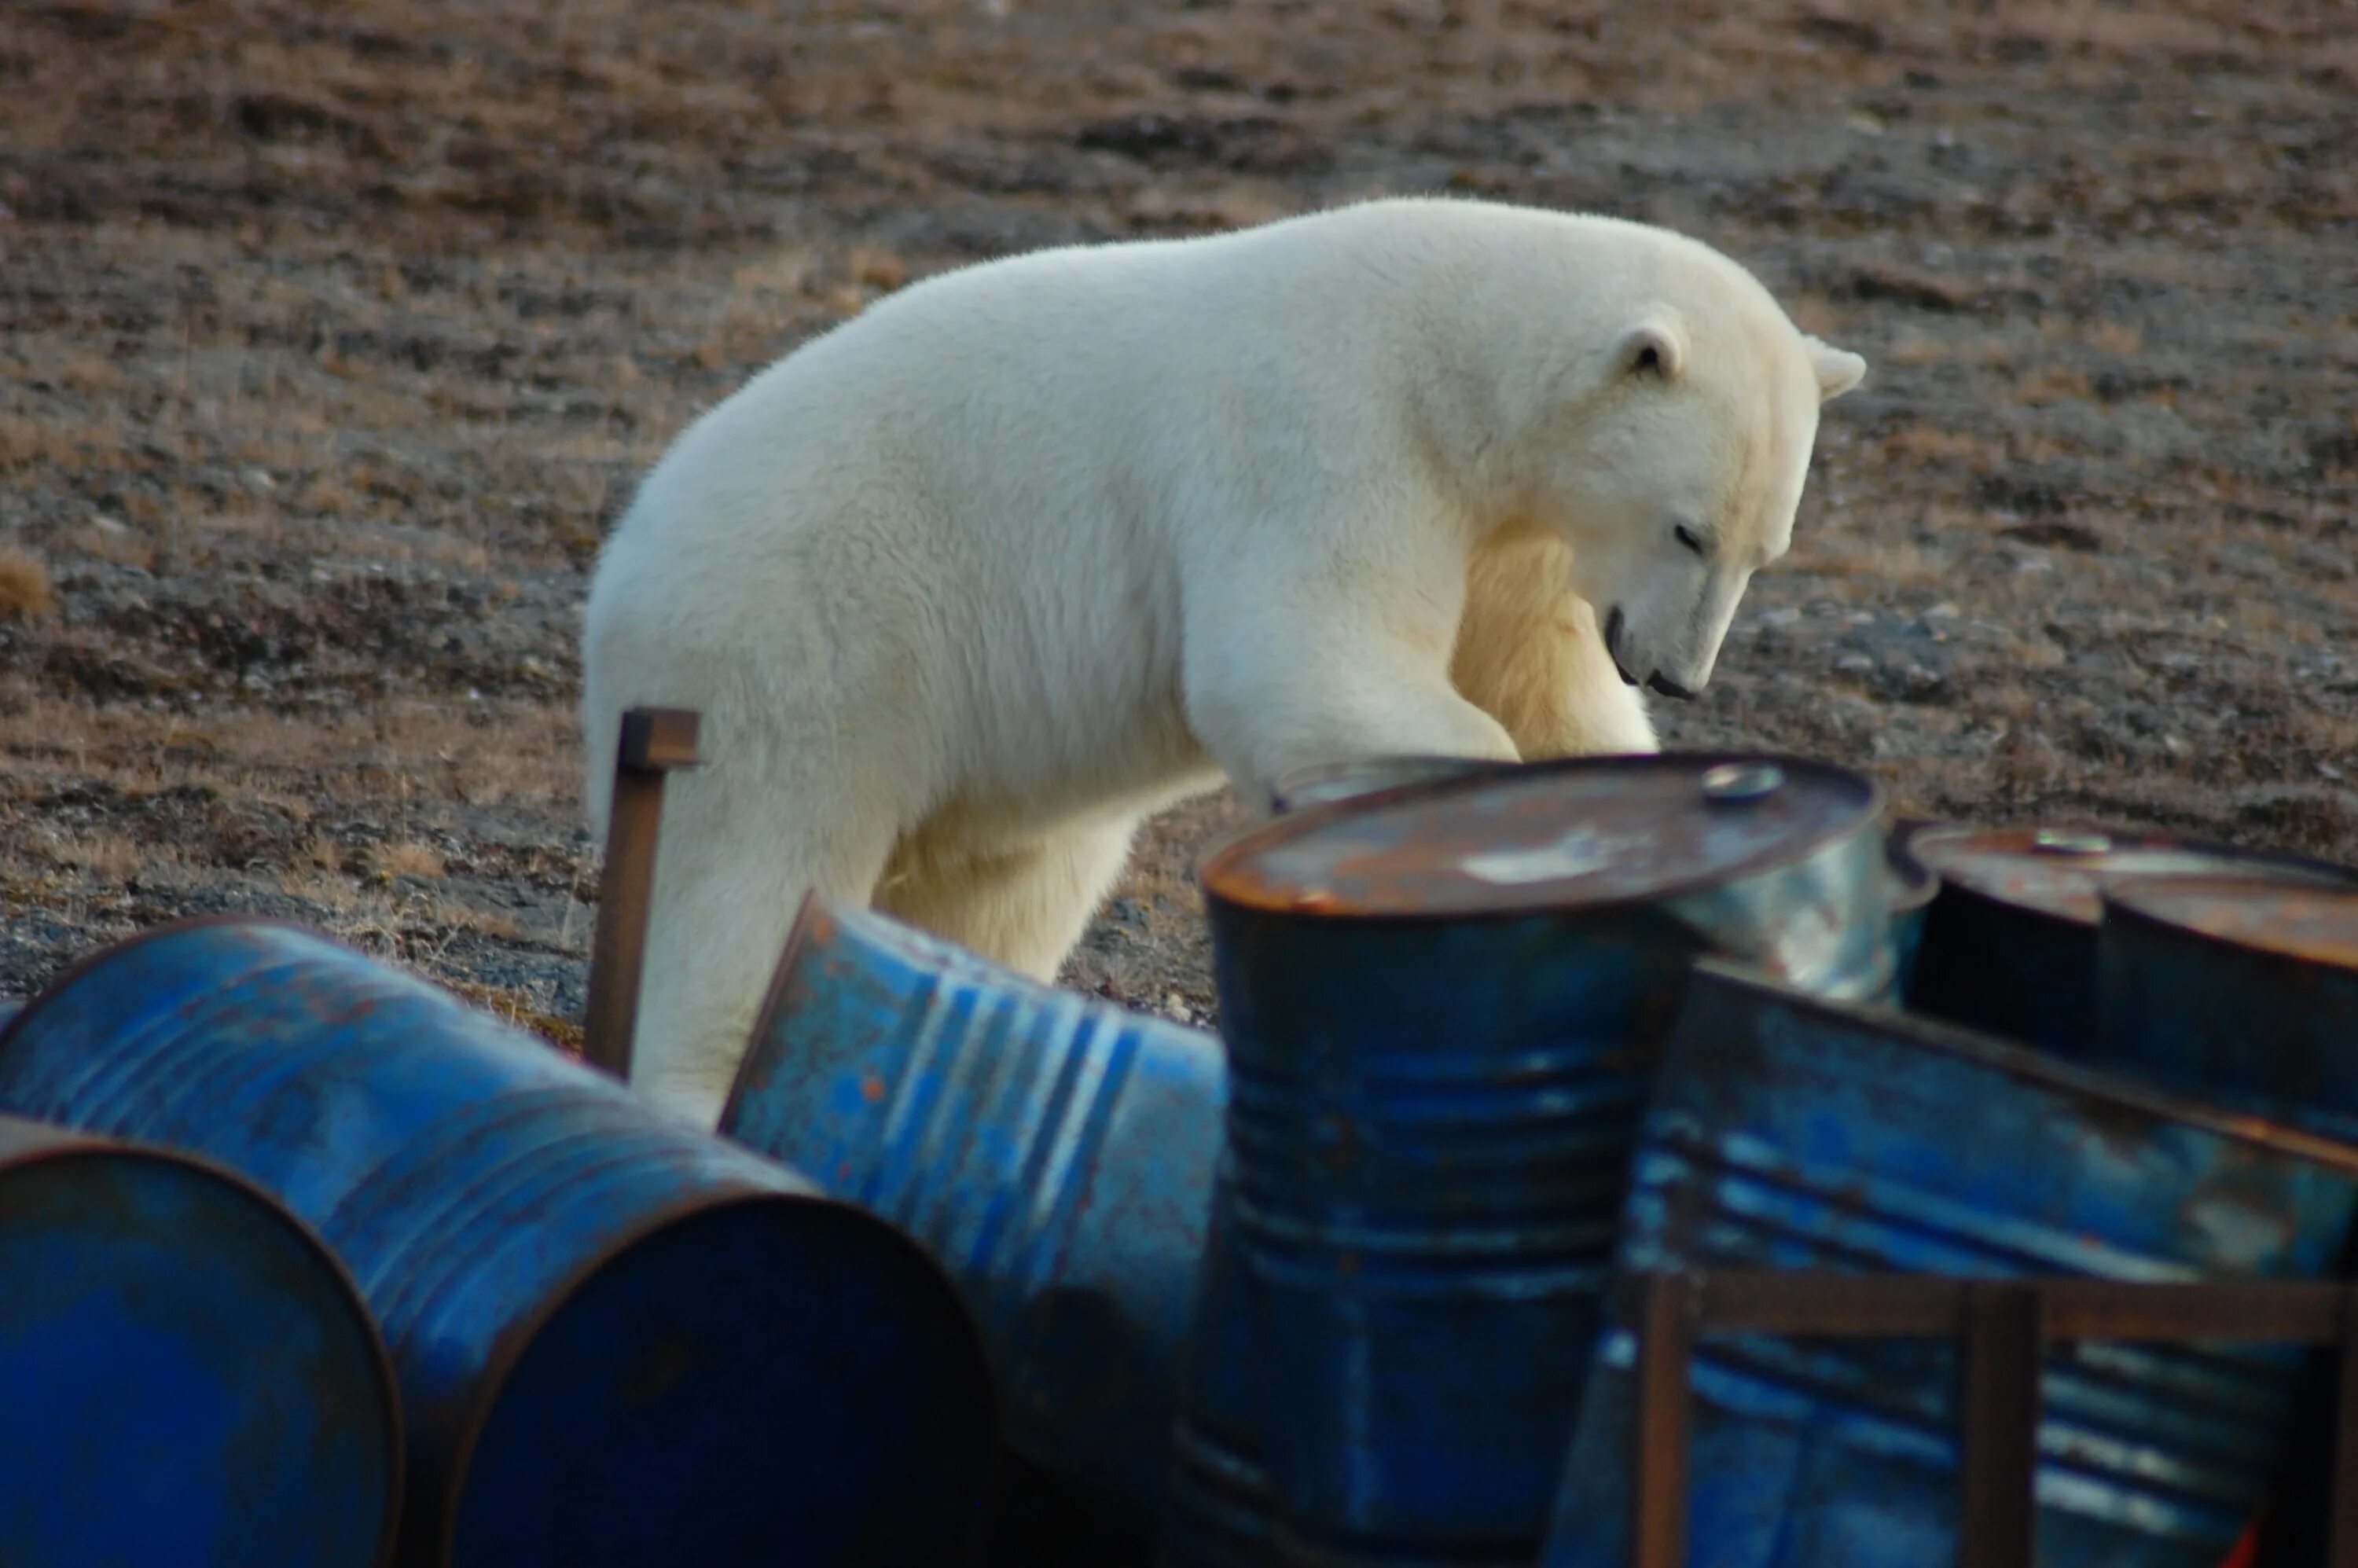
331, 337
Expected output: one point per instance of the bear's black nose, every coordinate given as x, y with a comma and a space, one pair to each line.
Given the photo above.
1656, 682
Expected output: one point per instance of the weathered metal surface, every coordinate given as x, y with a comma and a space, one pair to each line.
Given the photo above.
2239, 992
1999, 1446
2009, 943
1443, 1009
1054, 1152
1914, 889
186, 1376
1791, 1133
1307, 789
654, 741
1220, 1514
619, 1341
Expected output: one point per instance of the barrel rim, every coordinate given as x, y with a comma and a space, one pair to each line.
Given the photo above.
1215, 861
2258, 860
508, 1351
2027, 1063
1918, 884
812, 911
81, 969
2129, 904
73, 1144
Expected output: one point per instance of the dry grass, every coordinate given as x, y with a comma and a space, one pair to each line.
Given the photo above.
26, 592
408, 858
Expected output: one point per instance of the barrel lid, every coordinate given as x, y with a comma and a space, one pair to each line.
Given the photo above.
2314, 924
2062, 870
1581, 833
1299, 789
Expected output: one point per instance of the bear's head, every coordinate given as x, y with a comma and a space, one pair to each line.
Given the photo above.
1674, 468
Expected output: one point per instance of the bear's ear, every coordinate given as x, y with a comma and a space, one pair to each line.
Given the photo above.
1654, 345
1838, 369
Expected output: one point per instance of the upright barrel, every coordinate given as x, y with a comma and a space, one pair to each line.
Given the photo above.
186, 1376
1443, 1009
1329, 783
1789, 1132
2009, 943
1054, 1152
619, 1341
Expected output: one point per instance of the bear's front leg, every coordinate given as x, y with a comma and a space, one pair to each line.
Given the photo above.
1313, 679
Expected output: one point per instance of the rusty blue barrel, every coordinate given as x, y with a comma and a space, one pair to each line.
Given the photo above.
619, 1341
1791, 1132
187, 1376
1443, 1008
2009, 942
2243, 992
1054, 1152
1327, 784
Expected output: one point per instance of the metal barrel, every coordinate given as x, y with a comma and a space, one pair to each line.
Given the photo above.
1054, 1152
619, 1341
2238, 992
186, 1374
2009, 943
1221, 1513
1311, 788
1791, 1132
2245, 993
1443, 1009
1914, 888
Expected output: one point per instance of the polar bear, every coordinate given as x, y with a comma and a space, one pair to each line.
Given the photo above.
971, 584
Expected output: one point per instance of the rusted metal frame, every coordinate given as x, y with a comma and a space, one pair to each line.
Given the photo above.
1666, 1327
2341, 1551
2003, 1326
1997, 1515
1812, 1304
655, 741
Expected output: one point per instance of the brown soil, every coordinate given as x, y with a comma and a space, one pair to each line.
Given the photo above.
330, 336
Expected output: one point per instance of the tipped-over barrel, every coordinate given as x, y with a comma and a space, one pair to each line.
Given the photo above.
1789, 1132
619, 1341
1054, 1152
186, 1376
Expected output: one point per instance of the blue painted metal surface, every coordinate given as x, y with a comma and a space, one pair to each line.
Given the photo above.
1443, 1009
2242, 992
1791, 1132
2009, 943
619, 1341
186, 1376
1054, 1152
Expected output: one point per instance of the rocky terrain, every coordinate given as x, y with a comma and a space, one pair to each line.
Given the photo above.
331, 337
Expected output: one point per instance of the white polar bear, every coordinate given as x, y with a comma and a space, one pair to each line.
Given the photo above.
969, 586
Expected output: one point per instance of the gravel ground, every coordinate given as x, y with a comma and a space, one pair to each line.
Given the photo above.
331, 338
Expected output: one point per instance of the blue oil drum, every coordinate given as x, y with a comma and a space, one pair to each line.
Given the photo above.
186, 1378
1443, 1008
1054, 1152
1329, 783
1791, 1132
2243, 992
2010, 941
619, 1341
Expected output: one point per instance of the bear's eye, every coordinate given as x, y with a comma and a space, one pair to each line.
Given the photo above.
1689, 538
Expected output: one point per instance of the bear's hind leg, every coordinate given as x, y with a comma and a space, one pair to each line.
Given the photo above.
1023, 907
730, 878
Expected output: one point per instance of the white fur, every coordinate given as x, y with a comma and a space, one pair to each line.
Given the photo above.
968, 587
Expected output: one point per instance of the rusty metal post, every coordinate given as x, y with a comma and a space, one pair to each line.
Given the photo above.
1666, 1328
2343, 1499
655, 741
1999, 1405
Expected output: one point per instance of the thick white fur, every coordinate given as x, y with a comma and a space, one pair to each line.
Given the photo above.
969, 586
